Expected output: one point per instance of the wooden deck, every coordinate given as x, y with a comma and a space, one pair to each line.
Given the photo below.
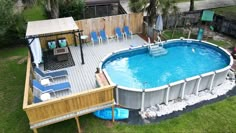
82, 77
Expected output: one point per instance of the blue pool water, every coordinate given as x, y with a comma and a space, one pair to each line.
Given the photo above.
137, 69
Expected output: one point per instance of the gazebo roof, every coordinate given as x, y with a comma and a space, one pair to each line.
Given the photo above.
44, 27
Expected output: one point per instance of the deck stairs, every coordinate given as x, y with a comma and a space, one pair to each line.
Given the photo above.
157, 49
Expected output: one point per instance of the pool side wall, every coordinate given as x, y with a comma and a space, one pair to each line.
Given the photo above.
139, 99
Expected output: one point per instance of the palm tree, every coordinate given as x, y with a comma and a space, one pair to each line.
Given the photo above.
52, 7
154, 7
137, 5
191, 8
166, 8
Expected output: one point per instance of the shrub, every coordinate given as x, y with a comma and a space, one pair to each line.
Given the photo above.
74, 8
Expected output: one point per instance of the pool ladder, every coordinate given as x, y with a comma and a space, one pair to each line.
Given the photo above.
157, 48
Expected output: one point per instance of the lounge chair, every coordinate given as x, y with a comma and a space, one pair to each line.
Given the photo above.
50, 89
127, 32
50, 74
119, 34
94, 38
103, 36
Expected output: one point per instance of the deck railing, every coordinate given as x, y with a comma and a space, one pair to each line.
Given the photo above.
73, 103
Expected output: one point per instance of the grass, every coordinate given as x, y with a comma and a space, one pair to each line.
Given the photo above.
36, 12
228, 12
11, 90
217, 117
225, 44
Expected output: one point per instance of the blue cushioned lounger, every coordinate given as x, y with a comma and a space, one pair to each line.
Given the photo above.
51, 88
127, 32
119, 34
52, 74
94, 37
103, 36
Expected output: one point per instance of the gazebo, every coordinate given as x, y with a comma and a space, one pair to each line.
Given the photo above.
36, 30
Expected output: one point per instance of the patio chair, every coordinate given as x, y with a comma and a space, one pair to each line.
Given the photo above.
62, 42
119, 34
50, 89
103, 36
52, 44
94, 38
50, 74
127, 32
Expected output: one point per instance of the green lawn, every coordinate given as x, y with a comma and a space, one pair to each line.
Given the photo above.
217, 117
228, 12
168, 35
36, 12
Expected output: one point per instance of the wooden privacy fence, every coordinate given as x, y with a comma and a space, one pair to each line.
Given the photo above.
57, 107
44, 40
134, 21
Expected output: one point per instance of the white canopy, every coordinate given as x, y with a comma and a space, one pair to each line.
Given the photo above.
43, 27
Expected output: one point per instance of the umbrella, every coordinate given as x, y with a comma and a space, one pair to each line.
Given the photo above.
159, 23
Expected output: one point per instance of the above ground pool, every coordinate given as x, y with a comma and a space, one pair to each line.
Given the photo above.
135, 69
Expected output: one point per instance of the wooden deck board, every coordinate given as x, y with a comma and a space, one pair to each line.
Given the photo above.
82, 77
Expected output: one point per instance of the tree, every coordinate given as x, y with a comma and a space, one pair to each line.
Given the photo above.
52, 8
6, 15
191, 8
154, 7
64, 8
137, 5
12, 24
29, 2
166, 8
74, 8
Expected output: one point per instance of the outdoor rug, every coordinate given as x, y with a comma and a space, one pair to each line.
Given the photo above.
51, 63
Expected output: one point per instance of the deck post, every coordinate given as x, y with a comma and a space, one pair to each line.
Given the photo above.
74, 38
78, 125
81, 48
30, 51
35, 130
113, 115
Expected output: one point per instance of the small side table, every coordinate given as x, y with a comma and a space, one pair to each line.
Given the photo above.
84, 38
112, 38
45, 82
45, 97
